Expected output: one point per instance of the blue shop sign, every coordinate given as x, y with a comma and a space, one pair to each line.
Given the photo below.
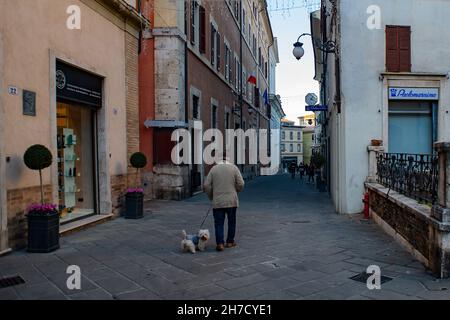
316, 108
413, 93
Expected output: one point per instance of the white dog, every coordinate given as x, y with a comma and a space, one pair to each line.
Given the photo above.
191, 243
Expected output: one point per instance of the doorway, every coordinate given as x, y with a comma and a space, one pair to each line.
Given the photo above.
77, 183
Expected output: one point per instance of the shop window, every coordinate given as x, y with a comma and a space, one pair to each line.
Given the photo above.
412, 127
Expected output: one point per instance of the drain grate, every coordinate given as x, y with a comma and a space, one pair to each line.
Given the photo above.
363, 276
11, 281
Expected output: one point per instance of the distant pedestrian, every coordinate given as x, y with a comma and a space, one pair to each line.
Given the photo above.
293, 169
222, 186
301, 170
311, 173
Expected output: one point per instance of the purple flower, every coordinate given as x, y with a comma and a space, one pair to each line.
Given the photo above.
42, 208
135, 190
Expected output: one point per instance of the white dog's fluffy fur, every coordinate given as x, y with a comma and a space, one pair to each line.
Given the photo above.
188, 242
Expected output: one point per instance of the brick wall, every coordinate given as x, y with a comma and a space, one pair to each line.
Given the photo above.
17, 202
412, 227
132, 94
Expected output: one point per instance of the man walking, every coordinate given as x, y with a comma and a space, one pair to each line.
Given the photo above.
222, 185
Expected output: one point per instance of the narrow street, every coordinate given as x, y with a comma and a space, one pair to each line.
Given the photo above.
291, 245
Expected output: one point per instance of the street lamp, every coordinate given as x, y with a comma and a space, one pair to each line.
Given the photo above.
299, 52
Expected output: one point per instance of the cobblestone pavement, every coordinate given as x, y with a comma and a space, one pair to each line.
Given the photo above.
291, 245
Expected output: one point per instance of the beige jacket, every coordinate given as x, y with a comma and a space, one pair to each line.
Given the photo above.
222, 185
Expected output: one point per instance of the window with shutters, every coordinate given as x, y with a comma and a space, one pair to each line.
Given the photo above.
195, 107
244, 22
236, 72
398, 49
214, 116
244, 87
227, 62
202, 29
218, 51
213, 45
259, 57
194, 18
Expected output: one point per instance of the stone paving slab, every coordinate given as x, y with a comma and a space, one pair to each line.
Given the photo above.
291, 245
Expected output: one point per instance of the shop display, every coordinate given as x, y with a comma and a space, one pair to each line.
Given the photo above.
67, 170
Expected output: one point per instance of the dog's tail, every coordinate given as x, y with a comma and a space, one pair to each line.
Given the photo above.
184, 234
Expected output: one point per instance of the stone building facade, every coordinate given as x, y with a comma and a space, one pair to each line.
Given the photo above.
78, 95
205, 53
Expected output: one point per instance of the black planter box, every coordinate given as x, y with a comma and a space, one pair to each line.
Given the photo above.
43, 232
134, 205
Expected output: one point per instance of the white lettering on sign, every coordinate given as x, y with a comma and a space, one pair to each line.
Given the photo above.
13, 91
413, 93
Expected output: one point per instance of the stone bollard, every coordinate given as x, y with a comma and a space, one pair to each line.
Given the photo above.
440, 212
373, 151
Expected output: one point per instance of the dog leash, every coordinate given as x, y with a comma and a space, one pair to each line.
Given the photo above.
207, 214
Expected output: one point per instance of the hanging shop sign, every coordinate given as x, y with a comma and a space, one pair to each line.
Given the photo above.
79, 86
316, 108
413, 93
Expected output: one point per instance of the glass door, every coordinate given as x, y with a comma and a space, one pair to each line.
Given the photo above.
76, 171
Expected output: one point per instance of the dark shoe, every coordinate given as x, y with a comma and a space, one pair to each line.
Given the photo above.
231, 245
220, 247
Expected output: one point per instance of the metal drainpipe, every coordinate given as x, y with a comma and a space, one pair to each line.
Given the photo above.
241, 99
186, 101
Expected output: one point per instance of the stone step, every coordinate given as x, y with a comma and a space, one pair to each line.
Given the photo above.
82, 224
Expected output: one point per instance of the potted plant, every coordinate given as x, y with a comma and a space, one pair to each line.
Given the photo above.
135, 196
318, 161
43, 219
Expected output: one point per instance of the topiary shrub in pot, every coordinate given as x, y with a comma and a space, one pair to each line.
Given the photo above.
43, 219
135, 196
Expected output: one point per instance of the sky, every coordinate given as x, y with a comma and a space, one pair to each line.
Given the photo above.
294, 79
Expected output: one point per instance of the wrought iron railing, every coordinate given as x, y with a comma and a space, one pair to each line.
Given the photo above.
414, 175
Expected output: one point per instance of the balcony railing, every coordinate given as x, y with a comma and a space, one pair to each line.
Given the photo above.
414, 175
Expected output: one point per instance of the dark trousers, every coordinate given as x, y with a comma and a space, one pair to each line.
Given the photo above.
219, 220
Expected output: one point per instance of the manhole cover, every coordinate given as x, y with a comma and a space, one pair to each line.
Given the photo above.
363, 276
11, 281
